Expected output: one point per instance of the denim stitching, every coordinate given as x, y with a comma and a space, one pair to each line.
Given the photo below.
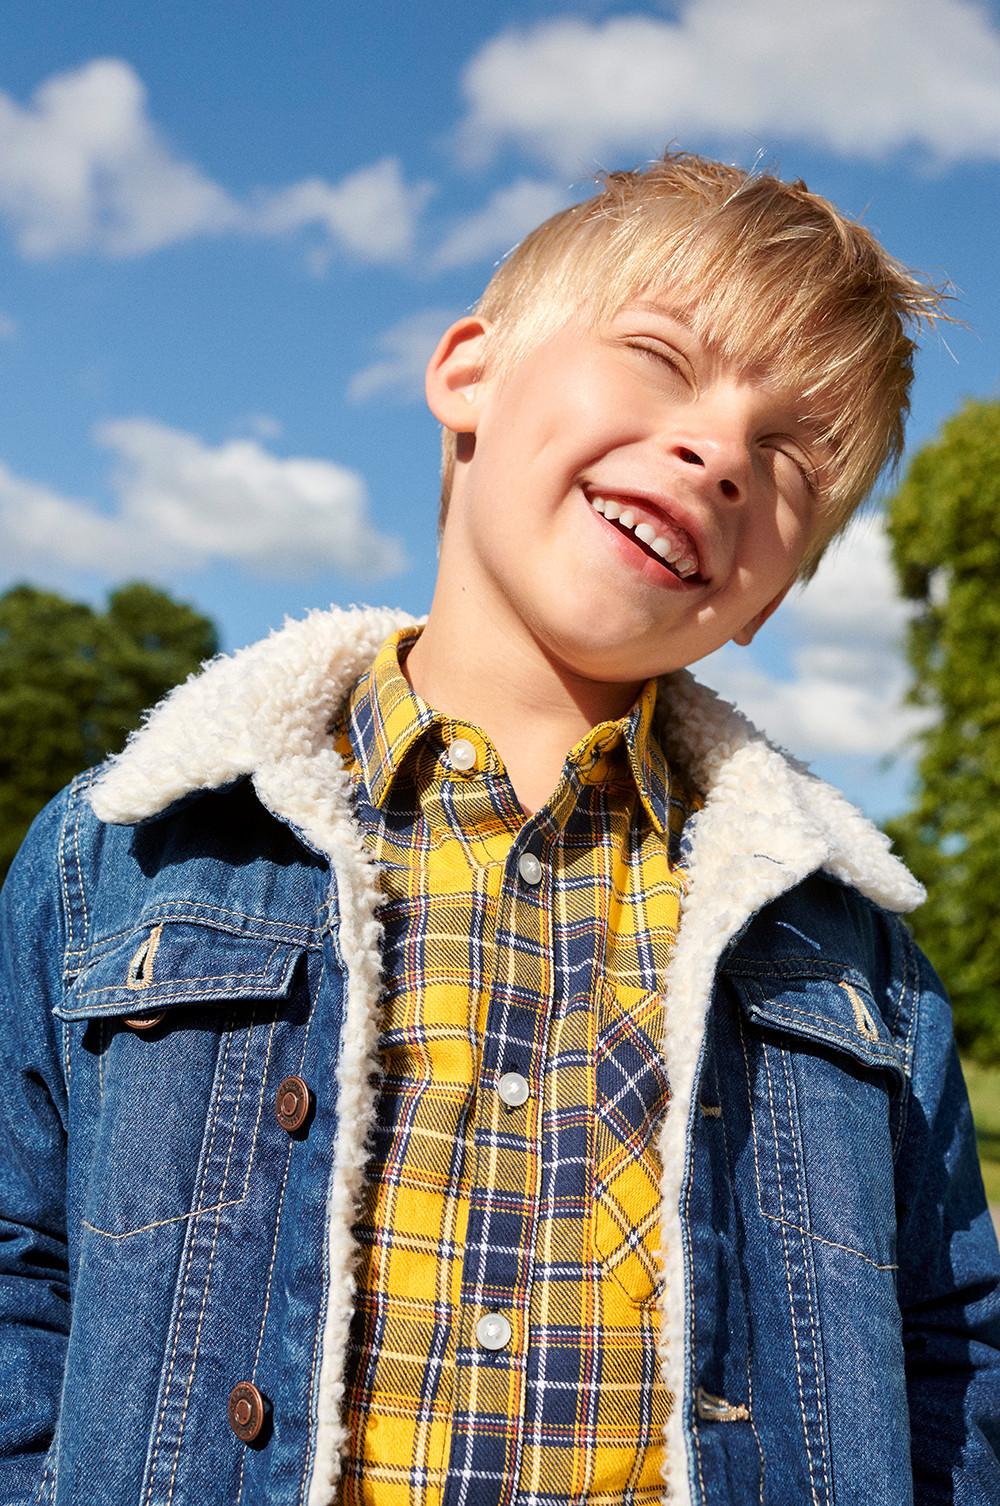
185, 912
47, 1480
793, 1319
798, 1364
143, 958
803, 1201
209, 1267
320, 1322
749, 1367
695, 1430
784, 1240
178, 985
820, 1240
780, 1218
910, 967
753, 1120
281, 1202
79, 871
194, 906
862, 1014
188, 1259
64, 885
833, 1026
162, 1223
252, 1147
835, 1035
766, 1059
789, 969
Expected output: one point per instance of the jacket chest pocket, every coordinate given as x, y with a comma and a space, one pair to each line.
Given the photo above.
820, 1070
176, 1023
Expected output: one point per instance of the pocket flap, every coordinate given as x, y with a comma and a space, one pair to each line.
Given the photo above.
178, 962
837, 1010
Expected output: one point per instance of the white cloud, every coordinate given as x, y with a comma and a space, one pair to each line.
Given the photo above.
860, 77
406, 348
371, 213
8, 326
84, 169
506, 217
180, 503
843, 634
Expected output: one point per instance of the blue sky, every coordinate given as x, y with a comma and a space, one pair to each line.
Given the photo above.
228, 234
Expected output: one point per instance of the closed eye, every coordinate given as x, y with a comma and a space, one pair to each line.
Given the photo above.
658, 353
805, 470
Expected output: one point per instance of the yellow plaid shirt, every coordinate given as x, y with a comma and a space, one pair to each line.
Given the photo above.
504, 1342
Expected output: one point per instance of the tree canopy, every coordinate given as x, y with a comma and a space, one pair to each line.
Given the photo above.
74, 682
944, 523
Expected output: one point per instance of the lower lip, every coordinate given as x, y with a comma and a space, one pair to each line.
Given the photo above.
631, 554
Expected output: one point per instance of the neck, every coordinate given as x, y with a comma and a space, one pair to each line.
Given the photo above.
477, 662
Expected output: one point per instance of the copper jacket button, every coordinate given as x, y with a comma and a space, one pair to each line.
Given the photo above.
247, 1411
292, 1104
143, 1022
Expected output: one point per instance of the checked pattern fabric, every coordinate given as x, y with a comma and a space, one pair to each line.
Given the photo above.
544, 1212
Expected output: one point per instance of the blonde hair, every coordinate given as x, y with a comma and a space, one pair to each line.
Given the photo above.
770, 274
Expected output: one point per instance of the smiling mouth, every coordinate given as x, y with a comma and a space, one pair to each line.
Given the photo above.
667, 544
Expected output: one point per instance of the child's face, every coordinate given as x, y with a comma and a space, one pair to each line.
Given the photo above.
636, 413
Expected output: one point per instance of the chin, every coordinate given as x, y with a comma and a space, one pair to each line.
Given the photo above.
616, 658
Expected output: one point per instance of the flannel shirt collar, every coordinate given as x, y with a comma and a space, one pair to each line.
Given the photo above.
387, 720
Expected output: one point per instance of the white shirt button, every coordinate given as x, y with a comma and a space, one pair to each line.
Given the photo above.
529, 868
462, 754
513, 1089
493, 1331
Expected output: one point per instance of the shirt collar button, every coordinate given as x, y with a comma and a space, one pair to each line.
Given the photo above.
461, 754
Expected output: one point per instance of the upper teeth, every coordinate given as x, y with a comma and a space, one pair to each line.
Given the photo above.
671, 547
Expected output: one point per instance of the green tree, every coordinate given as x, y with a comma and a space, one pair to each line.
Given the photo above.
944, 523
74, 682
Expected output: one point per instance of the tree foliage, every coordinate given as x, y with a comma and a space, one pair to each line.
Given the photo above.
945, 527
74, 683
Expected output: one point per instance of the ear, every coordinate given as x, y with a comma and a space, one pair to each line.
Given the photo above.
749, 631
453, 382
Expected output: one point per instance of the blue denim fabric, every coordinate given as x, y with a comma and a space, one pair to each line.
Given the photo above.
163, 1237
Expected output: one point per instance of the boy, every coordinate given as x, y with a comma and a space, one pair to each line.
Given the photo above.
469, 1064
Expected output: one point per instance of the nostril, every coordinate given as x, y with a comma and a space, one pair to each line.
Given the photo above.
729, 489
689, 456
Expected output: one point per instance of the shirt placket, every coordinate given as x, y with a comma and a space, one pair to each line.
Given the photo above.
505, 1191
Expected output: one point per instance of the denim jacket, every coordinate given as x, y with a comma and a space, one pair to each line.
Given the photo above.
190, 988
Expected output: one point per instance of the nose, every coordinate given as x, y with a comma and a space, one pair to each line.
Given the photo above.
719, 462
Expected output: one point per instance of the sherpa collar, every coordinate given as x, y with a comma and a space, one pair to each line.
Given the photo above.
268, 706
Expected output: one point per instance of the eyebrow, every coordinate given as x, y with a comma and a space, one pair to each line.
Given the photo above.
650, 307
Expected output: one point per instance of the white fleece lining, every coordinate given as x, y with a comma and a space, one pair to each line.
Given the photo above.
765, 825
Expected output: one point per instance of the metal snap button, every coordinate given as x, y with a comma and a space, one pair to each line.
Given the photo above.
247, 1411
144, 1022
529, 868
493, 1331
513, 1089
292, 1103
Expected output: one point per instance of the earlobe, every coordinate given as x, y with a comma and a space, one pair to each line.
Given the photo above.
454, 379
